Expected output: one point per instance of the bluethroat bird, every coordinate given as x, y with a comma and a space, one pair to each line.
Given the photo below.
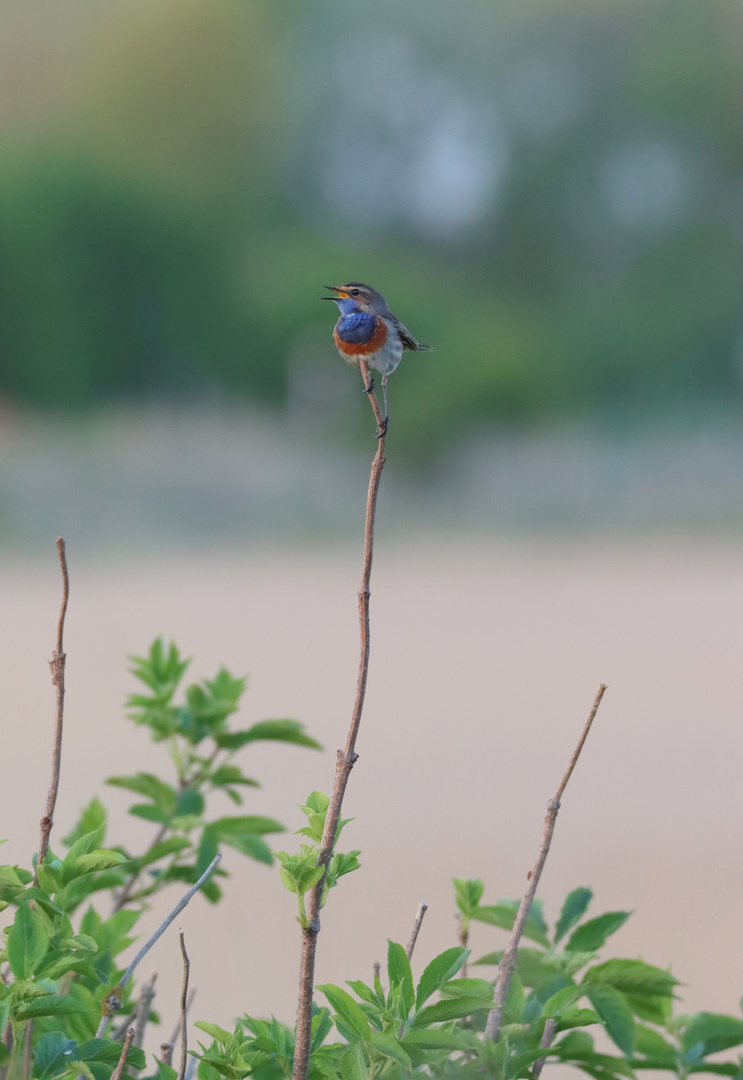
367, 330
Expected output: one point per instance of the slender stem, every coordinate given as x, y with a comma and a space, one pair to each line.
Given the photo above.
414, 929
119, 1070
148, 945
508, 960
57, 666
184, 1009
345, 762
177, 1029
142, 1014
550, 1027
166, 1053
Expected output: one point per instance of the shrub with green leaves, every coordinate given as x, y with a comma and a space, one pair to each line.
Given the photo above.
434, 1026
61, 967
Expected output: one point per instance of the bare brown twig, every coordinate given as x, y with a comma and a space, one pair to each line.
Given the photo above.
550, 1027
184, 1009
119, 1070
508, 960
57, 666
414, 929
166, 1053
177, 1028
345, 762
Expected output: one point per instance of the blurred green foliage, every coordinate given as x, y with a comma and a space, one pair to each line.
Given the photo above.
545, 192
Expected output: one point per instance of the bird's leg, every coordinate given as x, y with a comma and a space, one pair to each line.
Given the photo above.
368, 389
386, 406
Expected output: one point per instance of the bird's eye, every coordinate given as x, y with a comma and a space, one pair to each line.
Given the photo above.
354, 292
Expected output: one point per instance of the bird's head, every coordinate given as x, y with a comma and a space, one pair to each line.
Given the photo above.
355, 296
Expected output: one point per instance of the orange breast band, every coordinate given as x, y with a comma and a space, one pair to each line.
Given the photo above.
363, 348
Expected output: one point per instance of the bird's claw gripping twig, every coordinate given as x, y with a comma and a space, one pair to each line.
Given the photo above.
382, 429
368, 389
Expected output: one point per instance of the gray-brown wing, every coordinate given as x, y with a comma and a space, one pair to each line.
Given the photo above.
408, 340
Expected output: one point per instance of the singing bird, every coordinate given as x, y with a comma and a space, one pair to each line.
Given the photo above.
367, 330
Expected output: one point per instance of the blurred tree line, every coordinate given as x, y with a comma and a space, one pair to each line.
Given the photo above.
548, 192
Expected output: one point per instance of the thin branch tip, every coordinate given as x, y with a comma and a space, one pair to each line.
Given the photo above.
508, 960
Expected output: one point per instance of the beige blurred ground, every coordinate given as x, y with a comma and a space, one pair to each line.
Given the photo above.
485, 657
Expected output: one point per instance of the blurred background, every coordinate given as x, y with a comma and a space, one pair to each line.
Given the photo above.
549, 193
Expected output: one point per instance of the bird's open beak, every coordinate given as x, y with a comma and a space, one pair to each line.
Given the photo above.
334, 288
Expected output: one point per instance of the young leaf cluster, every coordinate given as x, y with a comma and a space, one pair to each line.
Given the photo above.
300, 873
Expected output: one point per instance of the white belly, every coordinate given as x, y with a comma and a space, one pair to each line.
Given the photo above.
389, 356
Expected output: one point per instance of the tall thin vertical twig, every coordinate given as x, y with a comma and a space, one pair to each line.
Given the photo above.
57, 666
508, 960
184, 1009
345, 762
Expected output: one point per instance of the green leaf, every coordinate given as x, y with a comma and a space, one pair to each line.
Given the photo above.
48, 1005
651, 1043
442, 968
190, 803
246, 825
165, 847
633, 977
83, 845
162, 794
290, 731
353, 1063
468, 893
563, 999
348, 1011
432, 1039
513, 1006
92, 819
714, 1030
108, 1051
151, 813
400, 974
450, 1009
95, 860
468, 988
28, 942
231, 774
576, 1044
160, 671
389, 1047
573, 910
504, 914
591, 935
322, 1022
615, 1014
363, 991
218, 1033
54, 1051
